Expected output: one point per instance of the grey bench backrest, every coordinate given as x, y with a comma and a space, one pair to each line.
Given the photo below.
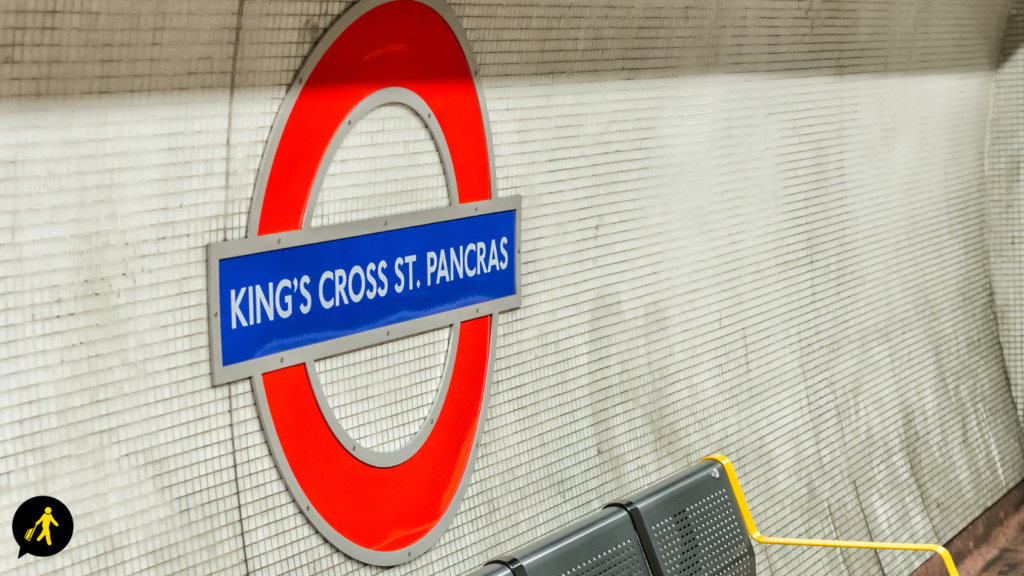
690, 525
492, 570
603, 544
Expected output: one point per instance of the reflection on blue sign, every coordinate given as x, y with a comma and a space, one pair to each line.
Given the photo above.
272, 302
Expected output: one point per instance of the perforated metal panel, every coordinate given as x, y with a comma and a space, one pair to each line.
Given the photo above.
623, 558
690, 525
604, 544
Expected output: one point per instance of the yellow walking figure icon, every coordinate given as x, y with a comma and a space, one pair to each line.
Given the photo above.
46, 520
46, 534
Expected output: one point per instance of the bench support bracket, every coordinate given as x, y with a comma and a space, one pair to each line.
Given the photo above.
734, 482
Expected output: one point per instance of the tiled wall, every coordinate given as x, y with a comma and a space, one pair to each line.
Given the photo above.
750, 226
1006, 199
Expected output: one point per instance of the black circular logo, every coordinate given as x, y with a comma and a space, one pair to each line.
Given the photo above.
42, 526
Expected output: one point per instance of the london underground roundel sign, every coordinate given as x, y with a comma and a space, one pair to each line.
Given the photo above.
289, 294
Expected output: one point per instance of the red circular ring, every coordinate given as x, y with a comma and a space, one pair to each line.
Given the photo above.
379, 511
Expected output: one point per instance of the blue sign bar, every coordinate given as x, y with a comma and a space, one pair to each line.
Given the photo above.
281, 300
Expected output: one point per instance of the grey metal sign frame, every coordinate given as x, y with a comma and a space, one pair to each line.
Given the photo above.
225, 250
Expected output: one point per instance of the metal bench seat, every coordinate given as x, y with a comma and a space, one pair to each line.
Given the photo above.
603, 544
491, 570
695, 523
690, 525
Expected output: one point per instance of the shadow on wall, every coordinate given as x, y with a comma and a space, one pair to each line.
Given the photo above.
201, 44
1013, 34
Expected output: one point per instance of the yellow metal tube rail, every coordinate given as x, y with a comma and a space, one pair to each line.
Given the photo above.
734, 482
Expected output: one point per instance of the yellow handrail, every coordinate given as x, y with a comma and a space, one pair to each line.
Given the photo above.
734, 481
